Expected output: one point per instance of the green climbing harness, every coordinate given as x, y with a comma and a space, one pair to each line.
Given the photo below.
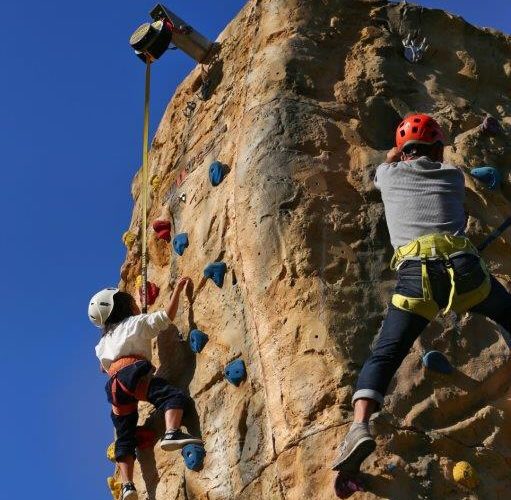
443, 247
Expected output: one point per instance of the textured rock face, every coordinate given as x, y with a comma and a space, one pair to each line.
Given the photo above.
304, 100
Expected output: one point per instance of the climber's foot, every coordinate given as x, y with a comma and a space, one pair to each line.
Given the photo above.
129, 492
358, 444
174, 440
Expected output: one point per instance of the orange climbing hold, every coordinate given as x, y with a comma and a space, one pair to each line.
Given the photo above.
162, 228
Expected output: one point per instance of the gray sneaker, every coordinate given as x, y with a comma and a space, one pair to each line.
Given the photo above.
358, 444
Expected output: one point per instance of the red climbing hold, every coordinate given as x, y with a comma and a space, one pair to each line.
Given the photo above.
145, 438
162, 228
152, 293
346, 485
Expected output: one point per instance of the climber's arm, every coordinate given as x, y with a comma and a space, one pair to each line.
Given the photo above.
182, 283
394, 155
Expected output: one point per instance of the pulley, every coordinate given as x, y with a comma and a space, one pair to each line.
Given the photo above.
151, 40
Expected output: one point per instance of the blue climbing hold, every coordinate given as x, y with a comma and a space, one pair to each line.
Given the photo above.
235, 372
193, 455
217, 173
437, 362
216, 272
180, 243
198, 340
489, 176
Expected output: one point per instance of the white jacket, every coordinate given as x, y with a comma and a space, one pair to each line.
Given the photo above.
131, 337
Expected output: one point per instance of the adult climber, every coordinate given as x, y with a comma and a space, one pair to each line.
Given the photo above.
437, 268
124, 352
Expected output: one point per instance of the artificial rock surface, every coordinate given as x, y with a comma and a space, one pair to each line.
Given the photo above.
304, 100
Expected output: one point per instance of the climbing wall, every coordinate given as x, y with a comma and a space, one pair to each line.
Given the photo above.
299, 108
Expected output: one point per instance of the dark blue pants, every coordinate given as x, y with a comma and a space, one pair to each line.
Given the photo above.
401, 328
160, 394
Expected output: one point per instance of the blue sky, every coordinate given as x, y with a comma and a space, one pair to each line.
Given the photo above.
71, 101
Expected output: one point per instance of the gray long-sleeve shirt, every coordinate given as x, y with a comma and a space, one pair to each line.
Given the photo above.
421, 197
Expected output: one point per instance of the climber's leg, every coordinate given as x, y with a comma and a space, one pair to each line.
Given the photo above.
125, 443
172, 401
126, 465
173, 418
363, 409
497, 306
398, 333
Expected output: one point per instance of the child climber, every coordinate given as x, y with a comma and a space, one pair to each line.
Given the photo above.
124, 352
437, 268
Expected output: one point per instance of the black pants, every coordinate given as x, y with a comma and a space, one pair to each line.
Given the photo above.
401, 328
160, 394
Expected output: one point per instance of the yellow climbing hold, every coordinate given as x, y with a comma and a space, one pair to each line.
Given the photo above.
115, 487
464, 474
129, 238
110, 452
155, 182
138, 282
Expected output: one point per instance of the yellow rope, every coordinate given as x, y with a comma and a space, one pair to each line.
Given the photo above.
145, 187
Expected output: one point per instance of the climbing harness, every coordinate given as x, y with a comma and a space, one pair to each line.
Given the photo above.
140, 392
438, 247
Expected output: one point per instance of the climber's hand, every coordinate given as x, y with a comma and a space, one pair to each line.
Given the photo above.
393, 155
182, 283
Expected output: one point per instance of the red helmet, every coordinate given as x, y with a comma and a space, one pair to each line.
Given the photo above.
418, 129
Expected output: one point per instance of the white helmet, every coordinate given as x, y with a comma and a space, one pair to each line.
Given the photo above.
101, 306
